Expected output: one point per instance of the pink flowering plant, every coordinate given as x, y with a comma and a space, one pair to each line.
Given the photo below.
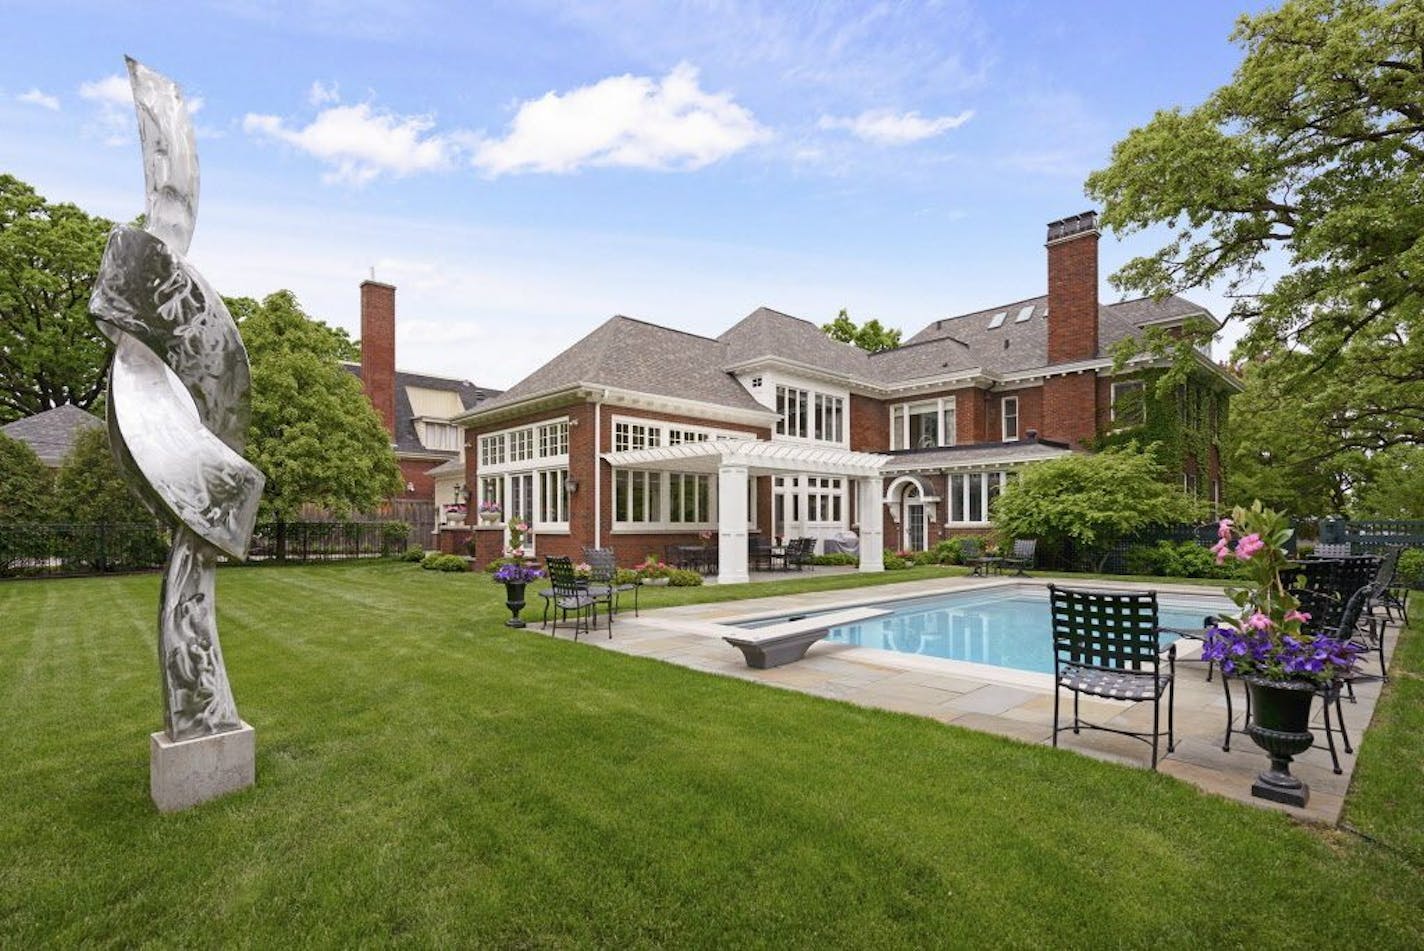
1270, 638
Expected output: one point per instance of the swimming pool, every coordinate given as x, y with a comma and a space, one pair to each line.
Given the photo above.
1004, 627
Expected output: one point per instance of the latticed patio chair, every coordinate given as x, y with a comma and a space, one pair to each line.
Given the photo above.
1107, 644
799, 552
1331, 550
758, 554
971, 552
1385, 591
571, 596
1025, 551
603, 580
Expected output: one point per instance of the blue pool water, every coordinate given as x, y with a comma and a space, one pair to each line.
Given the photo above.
1005, 628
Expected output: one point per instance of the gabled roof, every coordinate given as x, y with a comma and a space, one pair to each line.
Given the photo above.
406, 439
767, 333
633, 355
52, 434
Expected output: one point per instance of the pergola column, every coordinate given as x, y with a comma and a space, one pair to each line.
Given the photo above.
872, 521
732, 524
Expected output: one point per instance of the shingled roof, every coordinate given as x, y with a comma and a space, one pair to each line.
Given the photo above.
406, 438
641, 357
769, 333
52, 434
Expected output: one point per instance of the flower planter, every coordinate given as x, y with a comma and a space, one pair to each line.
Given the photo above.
489, 518
656, 582
1280, 725
514, 600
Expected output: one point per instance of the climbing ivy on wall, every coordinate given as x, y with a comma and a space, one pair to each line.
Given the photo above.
1176, 420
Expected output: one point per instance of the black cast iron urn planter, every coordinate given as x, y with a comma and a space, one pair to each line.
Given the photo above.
514, 600
1280, 725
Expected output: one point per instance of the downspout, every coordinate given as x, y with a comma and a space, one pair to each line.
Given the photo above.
598, 470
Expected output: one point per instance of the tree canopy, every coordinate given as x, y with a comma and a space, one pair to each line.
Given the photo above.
1092, 501
872, 336
50, 352
1310, 160
90, 488
25, 484
314, 434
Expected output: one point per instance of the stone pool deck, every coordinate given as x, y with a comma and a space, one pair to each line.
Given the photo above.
1010, 703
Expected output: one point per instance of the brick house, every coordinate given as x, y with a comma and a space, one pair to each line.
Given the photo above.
641, 436
417, 409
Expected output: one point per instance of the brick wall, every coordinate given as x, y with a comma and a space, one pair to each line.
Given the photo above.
378, 350
416, 472
1070, 408
869, 424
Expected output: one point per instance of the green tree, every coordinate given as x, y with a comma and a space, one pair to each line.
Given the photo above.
872, 336
1091, 501
1312, 161
90, 489
25, 484
1277, 451
1395, 487
314, 434
50, 352
113, 529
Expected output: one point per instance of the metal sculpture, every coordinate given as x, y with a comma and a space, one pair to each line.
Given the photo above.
178, 407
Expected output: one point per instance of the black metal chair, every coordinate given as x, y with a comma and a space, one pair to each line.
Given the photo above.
1385, 591
799, 552
758, 554
1024, 554
571, 595
1344, 618
971, 552
1107, 644
603, 580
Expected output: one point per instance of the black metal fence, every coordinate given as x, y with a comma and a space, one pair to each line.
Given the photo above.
60, 550
1375, 534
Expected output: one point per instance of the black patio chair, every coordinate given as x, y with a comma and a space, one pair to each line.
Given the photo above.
571, 595
1385, 591
799, 552
603, 580
1024, 554
971, 552
1347, 618
1107, 644
758, 554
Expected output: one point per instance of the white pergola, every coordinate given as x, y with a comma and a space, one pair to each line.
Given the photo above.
736, 460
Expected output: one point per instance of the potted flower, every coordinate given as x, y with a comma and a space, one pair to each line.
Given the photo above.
455, 513
518, 534
514, 576
490, 512
654, 572
1269, 646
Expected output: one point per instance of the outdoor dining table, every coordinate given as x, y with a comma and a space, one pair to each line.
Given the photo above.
698, 558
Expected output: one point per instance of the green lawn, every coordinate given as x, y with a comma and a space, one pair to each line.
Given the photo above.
428, 776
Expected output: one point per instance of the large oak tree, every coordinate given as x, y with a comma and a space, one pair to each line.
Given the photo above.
1309, 166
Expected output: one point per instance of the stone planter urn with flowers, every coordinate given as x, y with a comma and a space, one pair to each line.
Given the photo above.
1271, 645
514, 577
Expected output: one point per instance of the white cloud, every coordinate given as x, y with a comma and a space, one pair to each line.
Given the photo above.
360, 142
111, 90
630, 121
36, 98
885, 127
113, 120
323, 94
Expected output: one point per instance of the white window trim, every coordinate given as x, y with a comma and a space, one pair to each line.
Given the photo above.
1002, 475
948, 436
663, 425
533, 462
663, 523
1004, 419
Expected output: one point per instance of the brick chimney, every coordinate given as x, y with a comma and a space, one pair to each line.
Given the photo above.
1073, 288
378, 350
1070, 403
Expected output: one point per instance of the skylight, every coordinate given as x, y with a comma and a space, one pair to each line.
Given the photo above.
1024, 314
998, 320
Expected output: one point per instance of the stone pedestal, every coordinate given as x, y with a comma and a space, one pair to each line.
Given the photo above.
185, 773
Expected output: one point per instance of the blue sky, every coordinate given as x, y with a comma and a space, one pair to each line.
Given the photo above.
522, 171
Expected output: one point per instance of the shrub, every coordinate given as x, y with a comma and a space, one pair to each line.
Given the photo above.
394, 534
625, 576
26, 488
893, 562
413, 553
1092, 501
682, 578
438, 562
1411, 568
949, 552
499, 563
835, 558
1178, 560
927, 557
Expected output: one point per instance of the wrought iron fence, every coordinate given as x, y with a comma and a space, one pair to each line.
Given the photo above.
58, 550
1373, 534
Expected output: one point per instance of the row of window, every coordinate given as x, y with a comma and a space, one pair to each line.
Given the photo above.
540, 441
541, 498
662, 498
805, 414
650, 435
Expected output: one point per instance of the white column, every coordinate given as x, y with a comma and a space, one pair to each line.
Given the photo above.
869, 510
732, 524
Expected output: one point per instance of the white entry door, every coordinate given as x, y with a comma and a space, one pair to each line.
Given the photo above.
912, 520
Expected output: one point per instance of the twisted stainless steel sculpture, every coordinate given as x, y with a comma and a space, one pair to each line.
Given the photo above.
178, 407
